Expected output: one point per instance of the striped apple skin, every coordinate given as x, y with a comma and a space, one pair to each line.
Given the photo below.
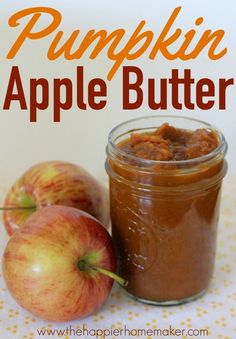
55, 183
40, 264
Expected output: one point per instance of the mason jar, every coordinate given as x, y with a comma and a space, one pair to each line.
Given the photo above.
164, 215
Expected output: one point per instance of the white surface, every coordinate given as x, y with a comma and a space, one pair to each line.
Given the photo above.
81, 137
216, 311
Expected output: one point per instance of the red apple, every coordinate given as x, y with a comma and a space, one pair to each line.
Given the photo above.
56, 266
54, 183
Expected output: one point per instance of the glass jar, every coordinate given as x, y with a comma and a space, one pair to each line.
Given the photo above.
164, 215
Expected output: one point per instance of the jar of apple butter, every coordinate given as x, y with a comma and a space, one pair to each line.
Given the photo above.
165, 176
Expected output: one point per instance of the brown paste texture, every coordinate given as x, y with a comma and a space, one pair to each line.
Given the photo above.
168, 143
164, 221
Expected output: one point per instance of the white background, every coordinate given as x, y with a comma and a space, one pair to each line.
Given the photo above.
81, 136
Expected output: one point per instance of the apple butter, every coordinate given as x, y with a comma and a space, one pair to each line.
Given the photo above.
165, 176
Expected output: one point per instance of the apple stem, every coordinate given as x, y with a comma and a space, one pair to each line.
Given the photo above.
83, 266
16, 208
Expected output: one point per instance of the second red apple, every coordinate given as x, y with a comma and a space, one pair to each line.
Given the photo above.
54, 183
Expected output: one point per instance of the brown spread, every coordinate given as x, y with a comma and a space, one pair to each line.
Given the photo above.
170, 143
165, 231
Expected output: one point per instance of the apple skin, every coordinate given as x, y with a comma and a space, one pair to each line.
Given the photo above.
40, 264
55, 183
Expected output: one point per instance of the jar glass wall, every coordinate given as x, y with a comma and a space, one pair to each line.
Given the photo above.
164, 215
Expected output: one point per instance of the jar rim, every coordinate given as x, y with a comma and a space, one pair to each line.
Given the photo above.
220, 149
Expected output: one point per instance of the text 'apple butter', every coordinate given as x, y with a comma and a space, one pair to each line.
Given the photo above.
165, 176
